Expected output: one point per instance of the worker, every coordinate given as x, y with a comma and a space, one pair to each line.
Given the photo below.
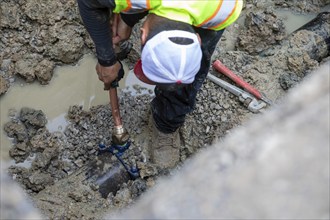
178, 39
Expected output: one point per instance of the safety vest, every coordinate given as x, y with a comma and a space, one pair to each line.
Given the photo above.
213, 14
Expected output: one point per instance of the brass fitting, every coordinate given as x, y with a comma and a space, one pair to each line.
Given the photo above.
120, 135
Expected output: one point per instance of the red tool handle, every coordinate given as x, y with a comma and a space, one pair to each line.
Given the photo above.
224, 70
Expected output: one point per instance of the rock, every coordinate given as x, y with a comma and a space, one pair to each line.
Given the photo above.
19, 152
10, 15
32, 117
43, 159
38, 181
3, 85
270, 31
40, 141
25, 69
17, 130
146, 170
123, 197
68, 45
44, 71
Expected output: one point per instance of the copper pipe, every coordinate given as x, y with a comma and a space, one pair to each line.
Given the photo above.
115, 107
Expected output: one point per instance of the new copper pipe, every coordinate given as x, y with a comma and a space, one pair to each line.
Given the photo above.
115, 107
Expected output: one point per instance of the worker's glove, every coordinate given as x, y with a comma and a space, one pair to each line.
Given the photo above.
110, 75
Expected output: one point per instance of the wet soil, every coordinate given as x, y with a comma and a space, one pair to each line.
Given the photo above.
51, 166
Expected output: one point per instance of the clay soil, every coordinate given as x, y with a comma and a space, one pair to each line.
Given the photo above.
38, 35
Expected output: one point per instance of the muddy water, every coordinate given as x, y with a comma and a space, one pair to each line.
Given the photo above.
293, 21
71, 85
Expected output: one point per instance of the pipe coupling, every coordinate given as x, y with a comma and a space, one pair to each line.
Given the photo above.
118, 130
120, 135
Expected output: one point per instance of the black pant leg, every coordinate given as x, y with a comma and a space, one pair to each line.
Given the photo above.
169, 108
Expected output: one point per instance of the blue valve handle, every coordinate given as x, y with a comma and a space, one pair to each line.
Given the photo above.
115, 149
118, 151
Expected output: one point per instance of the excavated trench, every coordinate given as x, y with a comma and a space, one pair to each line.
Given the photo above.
50, 154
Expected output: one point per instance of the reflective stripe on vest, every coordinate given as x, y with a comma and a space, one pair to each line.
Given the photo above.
215, 15
132, 6
226, 14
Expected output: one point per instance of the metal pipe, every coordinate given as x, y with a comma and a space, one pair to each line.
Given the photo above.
120, 135
115, 107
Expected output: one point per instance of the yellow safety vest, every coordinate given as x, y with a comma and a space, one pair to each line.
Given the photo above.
213, 14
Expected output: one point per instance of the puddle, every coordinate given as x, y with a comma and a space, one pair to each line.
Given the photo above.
70, 85
293, 21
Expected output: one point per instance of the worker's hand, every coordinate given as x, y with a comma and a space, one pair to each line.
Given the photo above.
107, 74
120, 30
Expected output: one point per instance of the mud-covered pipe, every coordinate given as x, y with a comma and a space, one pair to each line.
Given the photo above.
320, 25
106, 175
111, 181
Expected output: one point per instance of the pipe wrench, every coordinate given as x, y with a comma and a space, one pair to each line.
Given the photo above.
246, 98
